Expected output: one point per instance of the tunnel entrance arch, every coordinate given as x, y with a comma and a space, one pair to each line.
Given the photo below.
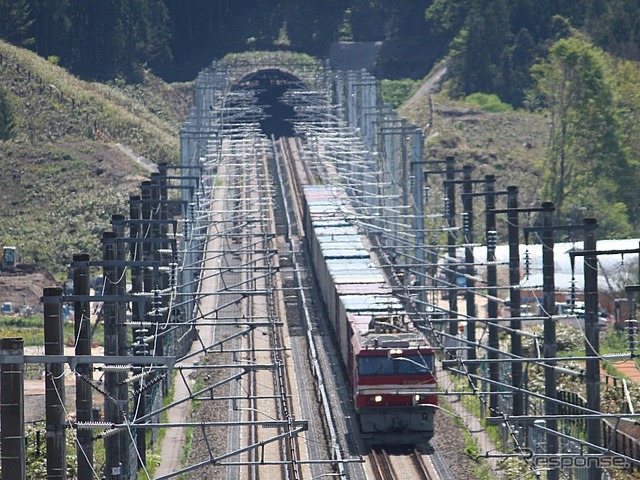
270, 85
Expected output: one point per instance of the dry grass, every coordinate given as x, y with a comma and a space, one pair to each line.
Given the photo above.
62, 175
508, 145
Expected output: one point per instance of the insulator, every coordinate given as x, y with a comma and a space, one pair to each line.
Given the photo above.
173, 275
136, 377
447, 210
149, 384
632, 334
93, 425
139, 345
492, 239
156, 303
116, 368
110, 432
527, 264
572, 293
466, 223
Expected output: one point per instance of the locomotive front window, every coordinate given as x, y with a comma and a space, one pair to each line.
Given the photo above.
403, 365
414, 364
375, 366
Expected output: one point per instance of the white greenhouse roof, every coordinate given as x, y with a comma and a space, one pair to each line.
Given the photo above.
614, 270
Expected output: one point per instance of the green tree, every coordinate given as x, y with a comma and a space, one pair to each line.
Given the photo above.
90, 32
517, 63
144, 29
627, 85
584, 161
486, 43
17, 22
116, 38
52, 28
447, 16
613, 25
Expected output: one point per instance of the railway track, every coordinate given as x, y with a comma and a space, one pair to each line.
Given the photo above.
259, 239
400, 465
266, 344
288, 169
241, 303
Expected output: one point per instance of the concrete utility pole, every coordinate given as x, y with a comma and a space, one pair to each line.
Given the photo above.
492, 283
450, 198
405, 192
147, 248
592, 339
418, 216
470, 295
513, 228
158, 212
13, 454
112, 410
550, 344
82, 334
139, 331
54, 386
631, 324
122, 389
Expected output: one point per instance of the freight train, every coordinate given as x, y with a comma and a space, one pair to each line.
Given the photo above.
391, 367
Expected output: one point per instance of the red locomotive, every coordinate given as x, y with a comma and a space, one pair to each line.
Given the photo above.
391, 367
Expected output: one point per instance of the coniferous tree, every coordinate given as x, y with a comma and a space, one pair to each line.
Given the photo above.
368, 20
484, 49
157, 51
316, 24
447, 16
17, 22
52, 28
516, 67
86, 36
195, 32
116, 38
144, 37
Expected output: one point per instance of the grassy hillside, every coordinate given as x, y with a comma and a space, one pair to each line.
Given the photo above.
67, 167
510, 145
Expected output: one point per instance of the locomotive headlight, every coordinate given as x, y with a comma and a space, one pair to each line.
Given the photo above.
377, 398
417, 398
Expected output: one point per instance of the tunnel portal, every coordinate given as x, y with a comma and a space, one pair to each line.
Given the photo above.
270, 85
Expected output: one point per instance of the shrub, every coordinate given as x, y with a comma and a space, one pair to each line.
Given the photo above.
396, 92
488, 103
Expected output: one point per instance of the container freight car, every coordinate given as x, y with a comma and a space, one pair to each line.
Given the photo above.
390, 366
